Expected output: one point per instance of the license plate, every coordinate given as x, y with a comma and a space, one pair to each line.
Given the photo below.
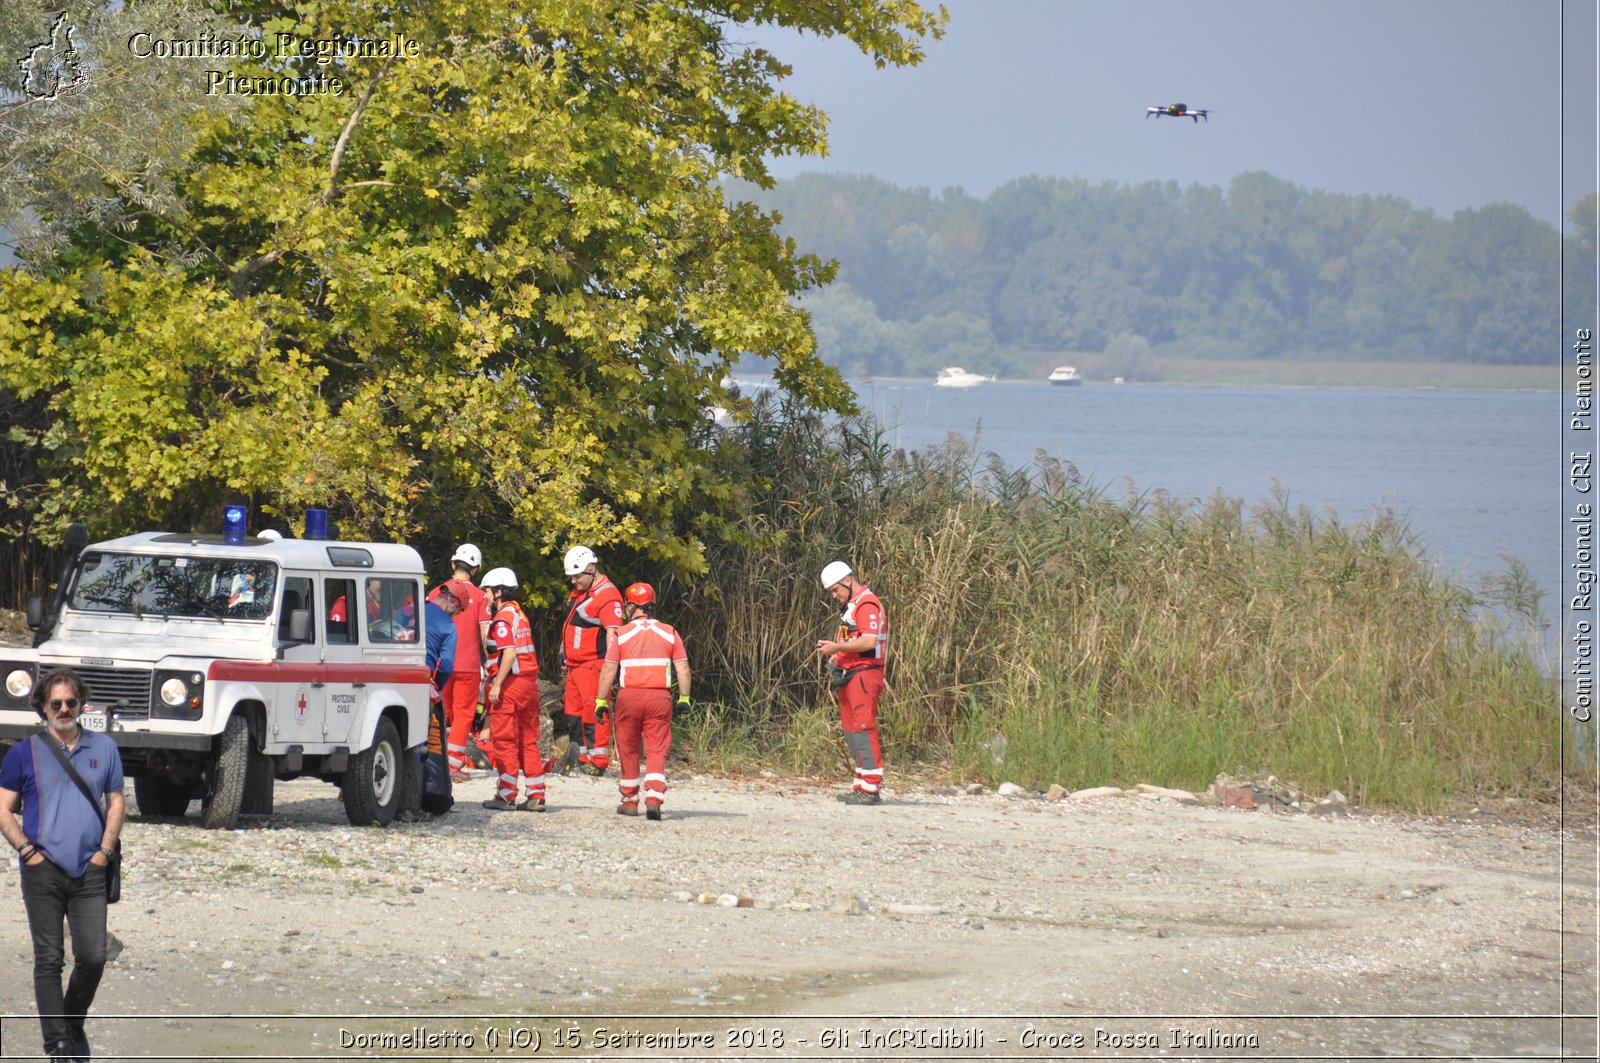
93, 721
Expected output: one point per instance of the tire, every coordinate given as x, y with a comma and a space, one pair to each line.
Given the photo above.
411, 780
224, 788
157, 795
374, 780
258, 781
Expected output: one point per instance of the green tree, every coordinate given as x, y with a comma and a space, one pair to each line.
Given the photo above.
488, 289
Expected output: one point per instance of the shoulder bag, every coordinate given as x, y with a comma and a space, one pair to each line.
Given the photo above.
114, 861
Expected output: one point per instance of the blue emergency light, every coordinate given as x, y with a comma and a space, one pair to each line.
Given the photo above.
233, 522
316, 523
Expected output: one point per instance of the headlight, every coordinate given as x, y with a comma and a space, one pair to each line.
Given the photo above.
19, 683
179, 695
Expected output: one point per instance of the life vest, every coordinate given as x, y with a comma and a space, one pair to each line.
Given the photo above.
583, 632
848, 629
521, 635
644, 654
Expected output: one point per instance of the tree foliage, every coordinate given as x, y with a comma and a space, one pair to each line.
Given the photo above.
485, 292
1262, 269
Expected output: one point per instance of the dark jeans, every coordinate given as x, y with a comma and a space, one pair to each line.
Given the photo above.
50, 895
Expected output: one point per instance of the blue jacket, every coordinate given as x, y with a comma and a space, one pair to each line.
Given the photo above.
440, 632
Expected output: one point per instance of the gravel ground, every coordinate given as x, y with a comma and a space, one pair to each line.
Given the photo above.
763, 913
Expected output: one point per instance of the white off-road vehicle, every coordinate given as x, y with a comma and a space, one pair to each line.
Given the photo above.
221, 662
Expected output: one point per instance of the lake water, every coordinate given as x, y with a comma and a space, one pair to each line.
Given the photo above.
1476, 475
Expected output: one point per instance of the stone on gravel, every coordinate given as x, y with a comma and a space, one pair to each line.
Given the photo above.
1096, 791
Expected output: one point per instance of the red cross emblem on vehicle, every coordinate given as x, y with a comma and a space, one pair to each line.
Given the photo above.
301, 706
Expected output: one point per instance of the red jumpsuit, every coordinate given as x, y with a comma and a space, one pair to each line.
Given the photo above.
858, 698
644, 652
583, 648
461, 690
514, 719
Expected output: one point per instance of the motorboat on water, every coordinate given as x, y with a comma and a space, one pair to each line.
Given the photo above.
1065, 376
957, 377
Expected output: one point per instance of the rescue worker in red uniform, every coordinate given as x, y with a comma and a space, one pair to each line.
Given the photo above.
642, 660
460, 694
855, 657
513, 699
594, 613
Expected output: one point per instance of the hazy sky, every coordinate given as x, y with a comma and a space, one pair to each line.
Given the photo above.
1450, 104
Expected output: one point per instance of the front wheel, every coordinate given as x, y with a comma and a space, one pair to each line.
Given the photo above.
224, 793
258, 783
372, 782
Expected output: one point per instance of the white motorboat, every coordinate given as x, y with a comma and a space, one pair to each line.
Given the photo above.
1065, 376
957, 377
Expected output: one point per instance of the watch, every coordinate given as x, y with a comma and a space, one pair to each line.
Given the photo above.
103, 849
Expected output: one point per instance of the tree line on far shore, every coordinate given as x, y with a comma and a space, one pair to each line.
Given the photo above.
1262, 269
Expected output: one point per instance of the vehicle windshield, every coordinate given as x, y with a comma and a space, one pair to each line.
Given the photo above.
218, 588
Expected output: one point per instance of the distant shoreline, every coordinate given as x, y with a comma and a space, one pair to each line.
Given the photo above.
1370, 376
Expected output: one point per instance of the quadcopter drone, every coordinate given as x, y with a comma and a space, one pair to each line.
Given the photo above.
1176, 110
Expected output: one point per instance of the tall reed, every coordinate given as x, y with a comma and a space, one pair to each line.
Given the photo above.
1044, 631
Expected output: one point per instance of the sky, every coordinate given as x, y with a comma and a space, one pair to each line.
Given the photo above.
1450, 104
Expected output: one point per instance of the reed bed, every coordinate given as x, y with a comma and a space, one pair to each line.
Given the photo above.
1043, 631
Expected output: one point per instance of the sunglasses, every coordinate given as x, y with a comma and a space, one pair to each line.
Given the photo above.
57, 703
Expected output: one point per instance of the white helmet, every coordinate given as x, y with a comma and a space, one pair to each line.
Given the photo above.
499, 577
833, 572
578, 559
468, 555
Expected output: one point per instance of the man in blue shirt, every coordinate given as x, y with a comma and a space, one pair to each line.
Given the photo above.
64, 849
428, 793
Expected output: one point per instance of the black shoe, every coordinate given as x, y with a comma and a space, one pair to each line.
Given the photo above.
627, 810
652, 812
496, 804
79, 1043
860, 797
531, 805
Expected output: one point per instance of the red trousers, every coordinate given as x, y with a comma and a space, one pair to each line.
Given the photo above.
858, 715
583, 686
514, 738
644, 718
460, 693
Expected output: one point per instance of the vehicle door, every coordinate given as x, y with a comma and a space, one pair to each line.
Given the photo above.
347, 687
301, 699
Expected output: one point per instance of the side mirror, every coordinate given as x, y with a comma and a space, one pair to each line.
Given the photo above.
300, 625
35, 612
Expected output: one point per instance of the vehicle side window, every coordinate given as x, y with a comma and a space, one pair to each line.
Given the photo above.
339, 594
296, 595
391, 607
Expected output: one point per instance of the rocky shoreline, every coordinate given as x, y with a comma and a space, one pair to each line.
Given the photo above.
765, 897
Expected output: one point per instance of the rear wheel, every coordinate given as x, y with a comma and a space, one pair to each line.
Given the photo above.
224, 788
373, 781
157, 795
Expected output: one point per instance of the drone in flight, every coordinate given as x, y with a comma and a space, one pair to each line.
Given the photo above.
1176, 110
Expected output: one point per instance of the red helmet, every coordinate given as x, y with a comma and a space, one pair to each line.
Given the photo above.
641, 594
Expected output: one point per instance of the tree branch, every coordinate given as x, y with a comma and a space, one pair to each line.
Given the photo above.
349, 129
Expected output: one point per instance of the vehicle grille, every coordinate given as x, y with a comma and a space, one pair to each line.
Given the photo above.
122, 691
